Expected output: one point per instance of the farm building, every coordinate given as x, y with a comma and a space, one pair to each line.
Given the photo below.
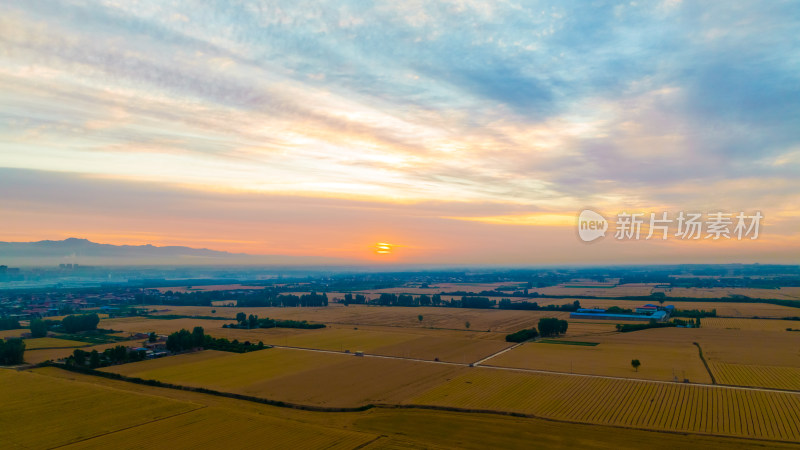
644, 313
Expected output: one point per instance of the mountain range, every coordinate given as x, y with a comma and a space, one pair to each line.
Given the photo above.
86, 252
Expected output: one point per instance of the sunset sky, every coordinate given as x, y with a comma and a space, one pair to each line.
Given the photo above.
451, 132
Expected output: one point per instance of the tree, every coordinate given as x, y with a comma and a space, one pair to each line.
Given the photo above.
12, 351
551, 326
79, 356
635, 363
241, 318
522, 335
419, 317
198, 337
94, 359
152, 337
252, 321
38, 328
467, 324
81, 322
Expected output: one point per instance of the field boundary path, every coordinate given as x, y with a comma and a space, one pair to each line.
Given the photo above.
497, 353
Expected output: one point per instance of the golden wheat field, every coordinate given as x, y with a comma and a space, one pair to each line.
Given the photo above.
660, 361
36, 408
448, 318
639, 404
382, 428
49, 342
421, 343
41, 355
750, 324
299, 376
220, 427
765, 348
777, 377
13, 333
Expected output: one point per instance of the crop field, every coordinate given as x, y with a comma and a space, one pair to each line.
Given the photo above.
749, 324
663, 361
784, 293
37, 410
448, 318
296, 375
41, 355
581, 328
445, 348
219, 427
638, 404
763, 348
13, 333
777, 377
49, 342
725, 309
391, 428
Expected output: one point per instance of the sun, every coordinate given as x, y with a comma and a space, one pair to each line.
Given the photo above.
383, 248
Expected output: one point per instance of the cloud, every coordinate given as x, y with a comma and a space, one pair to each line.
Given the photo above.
492, 109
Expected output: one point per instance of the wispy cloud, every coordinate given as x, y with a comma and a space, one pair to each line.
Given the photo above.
533, 108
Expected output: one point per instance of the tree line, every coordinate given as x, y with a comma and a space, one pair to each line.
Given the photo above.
252, 321
548, 327
629, 327
273, 299
534, 306
184, 340
8, 323
110, 356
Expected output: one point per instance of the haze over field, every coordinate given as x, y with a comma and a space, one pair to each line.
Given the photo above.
452, 132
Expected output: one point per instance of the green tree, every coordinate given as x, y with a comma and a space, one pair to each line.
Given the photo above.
252, 321
79, 356
94, 359
635, 363
152, 337
419, 317
38, 328
12, 351
467, 324
241, 318
198, 337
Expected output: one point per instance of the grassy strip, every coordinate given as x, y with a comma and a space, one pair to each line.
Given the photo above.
556, 341
702, 358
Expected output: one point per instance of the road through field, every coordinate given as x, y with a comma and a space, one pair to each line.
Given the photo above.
539, 371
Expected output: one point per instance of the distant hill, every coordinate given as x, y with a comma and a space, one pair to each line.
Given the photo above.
85, 252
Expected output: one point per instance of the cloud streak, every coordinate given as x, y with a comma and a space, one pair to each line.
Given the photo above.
513, 109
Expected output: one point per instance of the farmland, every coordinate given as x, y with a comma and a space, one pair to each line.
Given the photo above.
637, 404
37, 356
663, 361
750, 324
750, 375
49, 342
421, 356
446, 318
379, 428
297, 376
34, 409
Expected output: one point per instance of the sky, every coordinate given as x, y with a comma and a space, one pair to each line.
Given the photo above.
451, 132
